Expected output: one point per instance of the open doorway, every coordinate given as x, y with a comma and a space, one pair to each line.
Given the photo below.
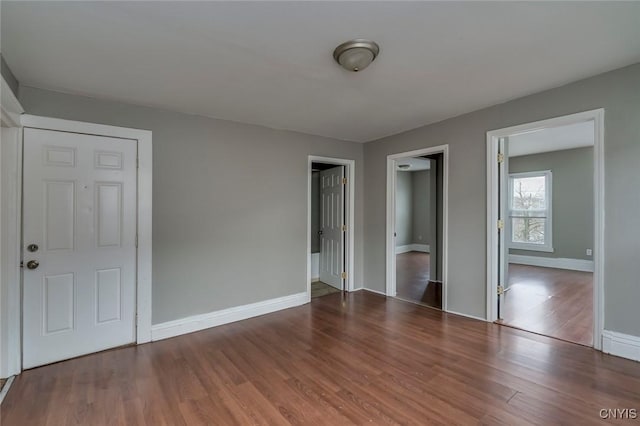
416, 250
547, 244
330, 226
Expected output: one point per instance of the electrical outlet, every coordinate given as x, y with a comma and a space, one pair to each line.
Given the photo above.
589, 252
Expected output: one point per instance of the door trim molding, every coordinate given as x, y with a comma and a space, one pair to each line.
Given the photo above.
350, 206
597, 116
10, 230
144, 205
391, 218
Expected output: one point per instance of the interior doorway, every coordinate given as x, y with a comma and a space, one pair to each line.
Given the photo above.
416, 226
546, 199
331, 205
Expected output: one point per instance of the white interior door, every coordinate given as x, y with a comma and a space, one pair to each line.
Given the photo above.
79, 235
331, 226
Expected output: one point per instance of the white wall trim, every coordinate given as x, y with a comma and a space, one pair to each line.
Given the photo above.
423, 248
381, 293
10, 272
351, 205
553, 262
5, 388
10, 230
225, 316
622, 345
597, 116
391, 218
467, 316
144, 218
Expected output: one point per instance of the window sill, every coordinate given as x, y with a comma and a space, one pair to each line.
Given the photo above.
530, 247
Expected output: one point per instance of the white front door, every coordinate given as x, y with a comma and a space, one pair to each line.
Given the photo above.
331, 226
79, 235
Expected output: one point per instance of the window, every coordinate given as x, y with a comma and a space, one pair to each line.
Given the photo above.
530, 211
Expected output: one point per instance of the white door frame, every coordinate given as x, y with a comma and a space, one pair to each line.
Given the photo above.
391, 217
144, 219
597, 116
10, 228
350, 173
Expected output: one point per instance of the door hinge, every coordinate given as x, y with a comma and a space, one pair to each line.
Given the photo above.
500, 290
344, 181
344, 275
344, 227
500, 224
500, 158
136, 240
137, 163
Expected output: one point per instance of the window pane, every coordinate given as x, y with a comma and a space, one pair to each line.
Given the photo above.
528, 230
528, 193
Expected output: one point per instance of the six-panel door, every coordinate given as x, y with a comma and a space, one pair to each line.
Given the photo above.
332, 222
80, 212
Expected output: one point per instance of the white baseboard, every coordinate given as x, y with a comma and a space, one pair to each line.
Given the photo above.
5, 388
374, 291
225, 316
466, 315
553, 262
315, 267
424, 248
622, 345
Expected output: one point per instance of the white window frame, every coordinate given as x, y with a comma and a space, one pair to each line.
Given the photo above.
548, 229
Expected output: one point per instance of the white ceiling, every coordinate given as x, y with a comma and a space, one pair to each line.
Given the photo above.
415, 164
552, 139
270, 63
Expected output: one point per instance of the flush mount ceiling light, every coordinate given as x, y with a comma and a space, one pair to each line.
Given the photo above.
355, 55
404, 166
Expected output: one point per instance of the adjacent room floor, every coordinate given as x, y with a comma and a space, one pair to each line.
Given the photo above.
369, 360
319, 289
549, 301
412, 279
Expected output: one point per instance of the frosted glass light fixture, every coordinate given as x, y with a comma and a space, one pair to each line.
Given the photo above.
355, 55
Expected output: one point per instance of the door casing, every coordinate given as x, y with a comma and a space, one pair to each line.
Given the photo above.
493, 137
350, 173
391, 217
144, 226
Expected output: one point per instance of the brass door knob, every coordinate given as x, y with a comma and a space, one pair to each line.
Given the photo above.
33, 264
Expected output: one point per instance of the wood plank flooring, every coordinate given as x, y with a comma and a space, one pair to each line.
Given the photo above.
364, 359
550, 301
413, 279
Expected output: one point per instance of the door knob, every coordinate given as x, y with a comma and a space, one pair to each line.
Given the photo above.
33, 264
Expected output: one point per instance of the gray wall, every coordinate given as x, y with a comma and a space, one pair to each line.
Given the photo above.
404, 208
315, 212
412, 207
8, 76
420, 195
572, 199
229, 203
619, 93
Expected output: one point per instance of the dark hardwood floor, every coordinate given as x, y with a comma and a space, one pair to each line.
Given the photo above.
413, 279
549, 301
365, 359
